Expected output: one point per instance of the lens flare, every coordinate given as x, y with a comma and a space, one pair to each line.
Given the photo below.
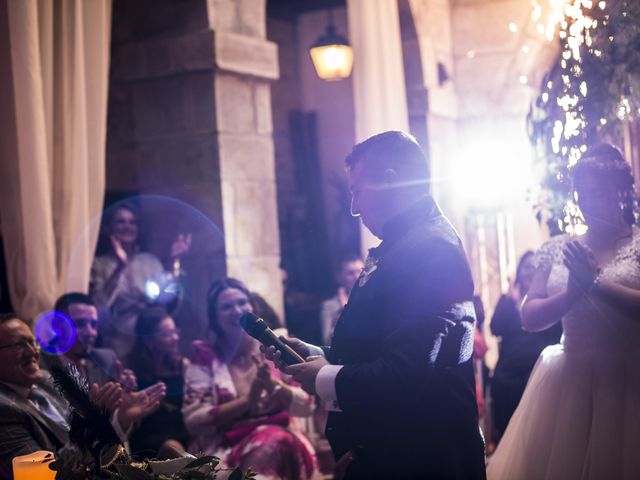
55, 332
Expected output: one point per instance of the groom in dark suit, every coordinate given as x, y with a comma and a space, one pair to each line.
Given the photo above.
398, 376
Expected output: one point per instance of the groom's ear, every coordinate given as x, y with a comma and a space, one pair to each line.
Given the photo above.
390, 177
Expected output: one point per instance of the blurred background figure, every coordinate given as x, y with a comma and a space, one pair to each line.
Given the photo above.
236, 405
154, 359
126, 280
346, 272
518, 351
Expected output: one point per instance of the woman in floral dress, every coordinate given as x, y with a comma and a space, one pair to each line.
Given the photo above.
238, 407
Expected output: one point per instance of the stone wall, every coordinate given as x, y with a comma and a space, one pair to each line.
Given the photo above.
190, 117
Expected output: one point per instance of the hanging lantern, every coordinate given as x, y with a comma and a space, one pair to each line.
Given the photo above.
332, 55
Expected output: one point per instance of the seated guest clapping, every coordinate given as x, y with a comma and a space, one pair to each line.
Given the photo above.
156, 358
32, 414
235, 405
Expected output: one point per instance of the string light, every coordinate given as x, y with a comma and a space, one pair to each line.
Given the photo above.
592, 90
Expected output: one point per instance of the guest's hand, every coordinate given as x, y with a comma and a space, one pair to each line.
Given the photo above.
137, 405
108, 396
300, 347
181, 245
255, 394
126, 377
305, 373
264, 376
119, 251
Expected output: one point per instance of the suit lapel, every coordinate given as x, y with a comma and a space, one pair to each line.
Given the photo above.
60, 433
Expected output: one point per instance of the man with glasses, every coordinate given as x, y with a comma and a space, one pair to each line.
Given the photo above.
32, 414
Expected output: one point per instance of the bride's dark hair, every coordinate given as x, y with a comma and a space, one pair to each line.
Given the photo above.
606, 162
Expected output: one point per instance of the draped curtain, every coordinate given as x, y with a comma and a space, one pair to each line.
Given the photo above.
53, 91
379, 92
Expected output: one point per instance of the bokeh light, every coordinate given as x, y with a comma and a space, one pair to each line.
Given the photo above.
181, 285
55, 332
490, 173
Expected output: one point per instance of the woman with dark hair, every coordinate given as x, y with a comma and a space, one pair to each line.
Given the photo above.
578, 417
156, 358
236, 405
126, 280
518, 350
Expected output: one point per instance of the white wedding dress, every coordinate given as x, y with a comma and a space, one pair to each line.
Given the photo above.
579, 417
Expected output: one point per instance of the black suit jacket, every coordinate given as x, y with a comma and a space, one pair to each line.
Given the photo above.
405, 338
23, 429
101, 366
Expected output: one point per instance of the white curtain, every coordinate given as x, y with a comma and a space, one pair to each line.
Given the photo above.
53, 91
379, 92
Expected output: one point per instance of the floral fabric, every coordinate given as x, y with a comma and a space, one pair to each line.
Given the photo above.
273, 450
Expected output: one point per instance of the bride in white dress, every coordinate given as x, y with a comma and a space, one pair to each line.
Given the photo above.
579, 417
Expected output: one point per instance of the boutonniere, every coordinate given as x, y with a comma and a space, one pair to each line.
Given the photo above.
370, 266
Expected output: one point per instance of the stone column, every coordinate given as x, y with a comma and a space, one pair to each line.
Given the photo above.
202, 130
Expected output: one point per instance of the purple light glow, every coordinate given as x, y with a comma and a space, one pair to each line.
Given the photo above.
55, 332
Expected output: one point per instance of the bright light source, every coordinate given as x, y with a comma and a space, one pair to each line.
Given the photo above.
490, 173
151, 289
471, 54
526, 49
332, 55
523, 79
513, 27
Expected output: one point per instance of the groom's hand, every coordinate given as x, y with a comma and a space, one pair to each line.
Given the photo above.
301, 348
305, 373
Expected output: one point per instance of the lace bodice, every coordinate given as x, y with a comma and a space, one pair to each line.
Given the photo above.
592, 324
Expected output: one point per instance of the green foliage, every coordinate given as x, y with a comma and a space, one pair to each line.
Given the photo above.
585, 98
72, 464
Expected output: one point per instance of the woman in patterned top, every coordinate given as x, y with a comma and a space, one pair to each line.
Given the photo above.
237, 406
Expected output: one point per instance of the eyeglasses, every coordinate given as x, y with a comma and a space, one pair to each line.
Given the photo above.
27, 343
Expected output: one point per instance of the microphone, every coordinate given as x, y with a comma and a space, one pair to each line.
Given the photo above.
258, 329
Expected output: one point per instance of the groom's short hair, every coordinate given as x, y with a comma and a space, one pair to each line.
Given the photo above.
395, 150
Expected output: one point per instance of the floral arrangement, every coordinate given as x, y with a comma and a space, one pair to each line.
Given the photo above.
590, 93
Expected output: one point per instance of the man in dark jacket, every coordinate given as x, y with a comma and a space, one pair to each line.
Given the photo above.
33, 415
398, 376
97, 365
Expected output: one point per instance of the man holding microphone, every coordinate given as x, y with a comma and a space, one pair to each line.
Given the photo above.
398, 378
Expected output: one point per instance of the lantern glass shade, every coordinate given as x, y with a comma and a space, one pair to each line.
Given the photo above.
332, 56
